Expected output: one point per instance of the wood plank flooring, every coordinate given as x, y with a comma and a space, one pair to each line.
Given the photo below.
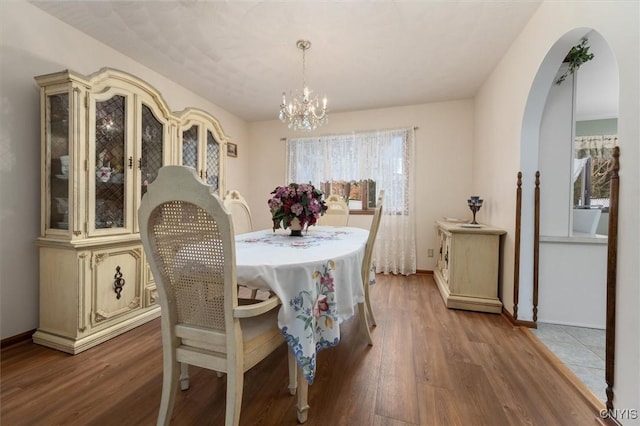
429, 366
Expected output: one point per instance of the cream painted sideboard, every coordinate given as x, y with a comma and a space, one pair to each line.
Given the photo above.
467, 266
103, 139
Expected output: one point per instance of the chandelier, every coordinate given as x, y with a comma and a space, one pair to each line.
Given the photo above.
303, 111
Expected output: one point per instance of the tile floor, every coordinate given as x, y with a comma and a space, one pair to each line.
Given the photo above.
582, 350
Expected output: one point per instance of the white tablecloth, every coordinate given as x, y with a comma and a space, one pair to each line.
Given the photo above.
317, 277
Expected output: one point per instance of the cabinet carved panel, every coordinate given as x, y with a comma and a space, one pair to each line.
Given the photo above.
117, 278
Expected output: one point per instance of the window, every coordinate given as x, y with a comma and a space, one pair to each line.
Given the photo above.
355, 166
358, 166
360, 195
592, 162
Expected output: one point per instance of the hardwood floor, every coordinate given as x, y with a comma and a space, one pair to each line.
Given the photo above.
428, 366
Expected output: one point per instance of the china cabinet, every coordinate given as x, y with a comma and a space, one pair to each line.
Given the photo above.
103, 139
199, 147
467, 265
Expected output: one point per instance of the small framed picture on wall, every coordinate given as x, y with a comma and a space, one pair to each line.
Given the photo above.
232, 149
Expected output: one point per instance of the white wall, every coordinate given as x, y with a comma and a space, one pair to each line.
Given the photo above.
34, 43
506, 126
443, 162
556, 158
573, 278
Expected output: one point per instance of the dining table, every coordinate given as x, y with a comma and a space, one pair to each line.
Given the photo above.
317, 277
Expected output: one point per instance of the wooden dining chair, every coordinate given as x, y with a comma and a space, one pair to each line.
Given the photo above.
367, 265
188, 240
337, 213
241, 217
240, 212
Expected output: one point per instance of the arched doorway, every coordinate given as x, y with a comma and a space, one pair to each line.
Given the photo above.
570, 293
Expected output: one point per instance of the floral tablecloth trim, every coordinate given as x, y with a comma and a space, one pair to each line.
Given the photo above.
307, 363
316, 316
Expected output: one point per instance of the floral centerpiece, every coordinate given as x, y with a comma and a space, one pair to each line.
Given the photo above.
297, 205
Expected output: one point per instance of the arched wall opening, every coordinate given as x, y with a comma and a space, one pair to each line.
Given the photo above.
572, 302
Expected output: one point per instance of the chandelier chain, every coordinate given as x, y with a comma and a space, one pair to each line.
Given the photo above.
304, 45
304, 68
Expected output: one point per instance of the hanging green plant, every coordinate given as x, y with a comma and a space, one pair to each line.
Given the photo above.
578, 55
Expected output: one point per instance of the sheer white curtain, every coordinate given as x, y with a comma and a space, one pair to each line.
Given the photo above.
385, 156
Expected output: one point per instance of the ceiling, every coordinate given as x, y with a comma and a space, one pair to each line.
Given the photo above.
241, 55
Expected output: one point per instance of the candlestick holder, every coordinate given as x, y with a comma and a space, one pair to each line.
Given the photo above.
474, 203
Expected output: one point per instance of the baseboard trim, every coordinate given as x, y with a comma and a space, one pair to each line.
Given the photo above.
18, 338
517, 322
423, 272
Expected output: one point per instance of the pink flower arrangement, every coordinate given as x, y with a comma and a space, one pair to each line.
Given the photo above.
296, 200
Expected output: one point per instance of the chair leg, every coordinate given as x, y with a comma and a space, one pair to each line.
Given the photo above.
293, 372
366, 298
184, 376
235, 383
254, 294
364, 323
170, 376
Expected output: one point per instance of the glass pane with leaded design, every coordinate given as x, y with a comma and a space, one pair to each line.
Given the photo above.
190, 147
213, 160
109, 161
152, 147
57, 131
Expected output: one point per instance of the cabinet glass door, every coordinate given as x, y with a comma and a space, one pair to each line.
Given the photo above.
57, 134
110, 151
190, 148
213, 160
152, 147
